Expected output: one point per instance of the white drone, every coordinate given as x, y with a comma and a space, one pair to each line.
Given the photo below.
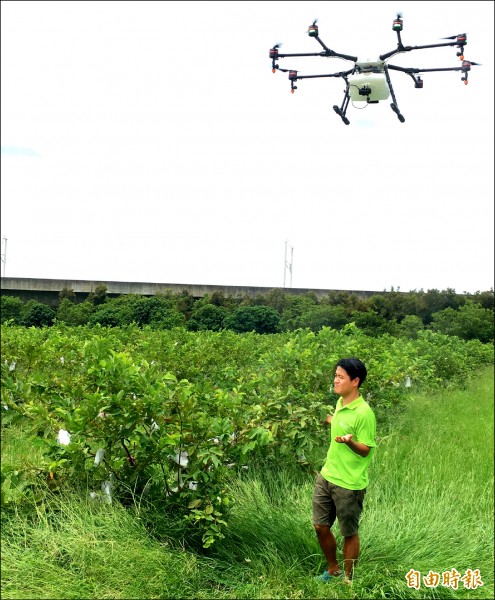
369, 80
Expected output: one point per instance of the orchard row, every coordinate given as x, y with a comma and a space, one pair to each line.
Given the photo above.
176, 413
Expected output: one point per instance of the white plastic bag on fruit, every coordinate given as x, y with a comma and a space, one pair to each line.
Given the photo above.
99, 456
181, 459
106, 488
63, 437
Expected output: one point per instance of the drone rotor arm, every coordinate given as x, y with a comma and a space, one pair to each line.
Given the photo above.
465, 68
327, 53
343, 74
410, 70
302, 54
402, 48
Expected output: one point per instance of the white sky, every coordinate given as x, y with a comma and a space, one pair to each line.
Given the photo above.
150, 141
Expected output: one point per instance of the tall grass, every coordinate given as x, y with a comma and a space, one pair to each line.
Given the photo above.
429, 506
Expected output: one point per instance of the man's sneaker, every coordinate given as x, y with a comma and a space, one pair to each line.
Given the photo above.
325, 577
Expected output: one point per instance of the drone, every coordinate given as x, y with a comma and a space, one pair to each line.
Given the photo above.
369, 80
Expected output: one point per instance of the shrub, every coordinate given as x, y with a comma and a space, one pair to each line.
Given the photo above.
10, 308
324, 316
470, 322
261, 319
35, 314
206, 317
74, 314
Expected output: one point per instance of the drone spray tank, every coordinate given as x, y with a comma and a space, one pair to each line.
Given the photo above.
368, 83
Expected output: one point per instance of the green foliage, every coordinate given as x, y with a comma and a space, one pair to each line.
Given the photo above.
324, 316
185, 303
68, 294
111, 314
410, 326
36, 314
207, 316
261, 319
485, 299
401, 314
99, 295
434, 300
471, 321
372, 323
10, 308
174, 414
74, 314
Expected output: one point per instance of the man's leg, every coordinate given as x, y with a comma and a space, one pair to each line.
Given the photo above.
351, 553
328, 544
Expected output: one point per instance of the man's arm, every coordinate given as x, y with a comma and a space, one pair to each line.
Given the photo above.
361, 449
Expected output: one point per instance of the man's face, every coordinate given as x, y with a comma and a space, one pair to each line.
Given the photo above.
342, 383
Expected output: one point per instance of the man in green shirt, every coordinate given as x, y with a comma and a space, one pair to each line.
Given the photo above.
341, 485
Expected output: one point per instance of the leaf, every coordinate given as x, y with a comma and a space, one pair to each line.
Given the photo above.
194, 503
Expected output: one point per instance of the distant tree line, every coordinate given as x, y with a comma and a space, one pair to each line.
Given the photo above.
395, 313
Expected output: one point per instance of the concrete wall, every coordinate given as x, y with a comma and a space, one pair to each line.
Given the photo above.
47, 290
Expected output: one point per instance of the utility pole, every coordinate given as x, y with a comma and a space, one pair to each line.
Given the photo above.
4, 254
288, 265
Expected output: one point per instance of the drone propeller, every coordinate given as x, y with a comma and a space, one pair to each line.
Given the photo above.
461, 39
397, 24
274, 55
313, 29
466, 67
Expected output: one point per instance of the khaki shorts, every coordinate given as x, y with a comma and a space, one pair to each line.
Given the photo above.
331, 501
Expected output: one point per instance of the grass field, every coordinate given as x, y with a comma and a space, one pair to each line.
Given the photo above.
429, 507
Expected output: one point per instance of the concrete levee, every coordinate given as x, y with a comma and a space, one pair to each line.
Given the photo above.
47, 290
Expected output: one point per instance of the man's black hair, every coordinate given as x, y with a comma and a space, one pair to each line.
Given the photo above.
354, 368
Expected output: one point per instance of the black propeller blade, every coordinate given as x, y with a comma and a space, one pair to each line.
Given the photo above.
313, 26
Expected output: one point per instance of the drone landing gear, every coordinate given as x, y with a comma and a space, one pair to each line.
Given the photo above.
393, 106
396, 110
341, 114
343, 109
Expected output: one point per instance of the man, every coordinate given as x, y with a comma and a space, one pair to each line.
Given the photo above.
341, 485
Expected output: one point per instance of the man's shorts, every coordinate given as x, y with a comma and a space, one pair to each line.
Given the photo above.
331, 501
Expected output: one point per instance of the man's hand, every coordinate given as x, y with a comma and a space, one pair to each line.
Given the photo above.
356, 447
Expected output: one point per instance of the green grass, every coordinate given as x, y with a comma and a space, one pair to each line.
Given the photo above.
429, 506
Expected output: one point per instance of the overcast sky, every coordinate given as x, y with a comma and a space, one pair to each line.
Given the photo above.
150, 141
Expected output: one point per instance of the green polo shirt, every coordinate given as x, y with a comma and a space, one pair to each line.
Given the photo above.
343, 466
